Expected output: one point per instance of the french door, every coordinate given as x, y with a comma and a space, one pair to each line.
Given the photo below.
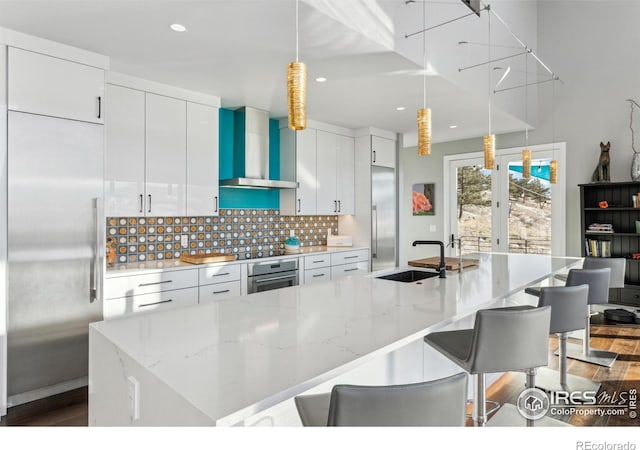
501, 211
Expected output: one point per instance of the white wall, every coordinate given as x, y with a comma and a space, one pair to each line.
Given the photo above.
593, 47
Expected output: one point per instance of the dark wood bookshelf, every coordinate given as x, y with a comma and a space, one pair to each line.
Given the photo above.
624, 241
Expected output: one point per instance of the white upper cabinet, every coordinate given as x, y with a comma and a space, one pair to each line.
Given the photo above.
335, 166
383, 152
125, 125
202, 160
327, 200
345, 178
298, 163
55, 87
165, 168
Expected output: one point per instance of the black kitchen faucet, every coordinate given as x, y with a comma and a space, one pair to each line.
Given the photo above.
441, 269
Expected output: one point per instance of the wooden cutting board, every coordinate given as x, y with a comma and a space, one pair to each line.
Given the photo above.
451, 263
210, 258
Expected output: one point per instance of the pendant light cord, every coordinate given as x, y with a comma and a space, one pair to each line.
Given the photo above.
297, 20
424, 56
489, 65
526, 99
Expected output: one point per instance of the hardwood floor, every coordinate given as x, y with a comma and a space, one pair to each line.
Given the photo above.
71, 408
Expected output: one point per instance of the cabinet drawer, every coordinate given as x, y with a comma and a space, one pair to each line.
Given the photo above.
345, 270
316, 275
219, 274
349, 257
628, 296
313, 262
134, 304
219, 291
146, 284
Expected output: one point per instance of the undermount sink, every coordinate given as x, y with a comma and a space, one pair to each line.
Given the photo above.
409, 276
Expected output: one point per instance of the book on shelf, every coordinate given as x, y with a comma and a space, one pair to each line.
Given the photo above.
600, 228
597, 248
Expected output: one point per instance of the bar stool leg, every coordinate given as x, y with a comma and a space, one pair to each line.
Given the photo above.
479, 403
531, 383
586, 353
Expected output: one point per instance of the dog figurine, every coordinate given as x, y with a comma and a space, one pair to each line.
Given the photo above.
602, 169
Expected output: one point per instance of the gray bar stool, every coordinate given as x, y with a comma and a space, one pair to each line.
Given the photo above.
502, 340
567, 307
617, 267
433, 403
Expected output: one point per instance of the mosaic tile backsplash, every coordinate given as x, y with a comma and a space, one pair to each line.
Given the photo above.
248, 233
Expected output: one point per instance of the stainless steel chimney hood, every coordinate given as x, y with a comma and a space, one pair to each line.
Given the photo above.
251, 152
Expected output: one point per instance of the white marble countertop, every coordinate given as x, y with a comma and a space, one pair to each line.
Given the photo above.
234, 358
137, 268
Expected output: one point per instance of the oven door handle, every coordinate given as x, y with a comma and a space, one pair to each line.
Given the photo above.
264, 280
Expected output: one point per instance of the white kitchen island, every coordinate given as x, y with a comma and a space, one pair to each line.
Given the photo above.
226, 362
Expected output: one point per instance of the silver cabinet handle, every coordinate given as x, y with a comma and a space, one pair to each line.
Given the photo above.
220, 274
339, 206
153, 284
335, 206
319, 275
275, 279
374, 156
318, 261
155, 303
351, 270
149, 203
216, 198
99, 107
374, 237
350, 257
95, 276
299, 205
221, 292
141, 205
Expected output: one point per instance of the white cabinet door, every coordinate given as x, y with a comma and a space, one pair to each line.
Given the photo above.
345, 178
165, 171
202, 160
306, 172
327, 200
220, 291
383, 152
42, 84
124, 185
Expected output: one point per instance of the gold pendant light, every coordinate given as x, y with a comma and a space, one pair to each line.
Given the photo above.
526, 163
424, 131
424, 113
297, 89
489, 151
553, 171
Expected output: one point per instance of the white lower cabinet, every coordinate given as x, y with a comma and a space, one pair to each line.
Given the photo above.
218, 291
127, 286
133, 304
345, 270
316, 275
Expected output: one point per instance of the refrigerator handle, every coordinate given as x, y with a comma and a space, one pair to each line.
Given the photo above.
374, 216
95, 273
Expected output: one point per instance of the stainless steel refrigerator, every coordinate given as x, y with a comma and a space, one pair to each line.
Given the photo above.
55, 251
383, 218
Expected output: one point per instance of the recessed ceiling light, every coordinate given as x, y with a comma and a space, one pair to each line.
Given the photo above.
321, 79
400, 108
178, 27
453, 126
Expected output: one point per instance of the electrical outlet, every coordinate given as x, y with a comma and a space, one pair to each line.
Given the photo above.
133, 395
184, 240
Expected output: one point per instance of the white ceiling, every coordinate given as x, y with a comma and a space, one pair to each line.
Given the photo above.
238, 50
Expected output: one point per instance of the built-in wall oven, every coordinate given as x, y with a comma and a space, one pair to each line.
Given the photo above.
273, 274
